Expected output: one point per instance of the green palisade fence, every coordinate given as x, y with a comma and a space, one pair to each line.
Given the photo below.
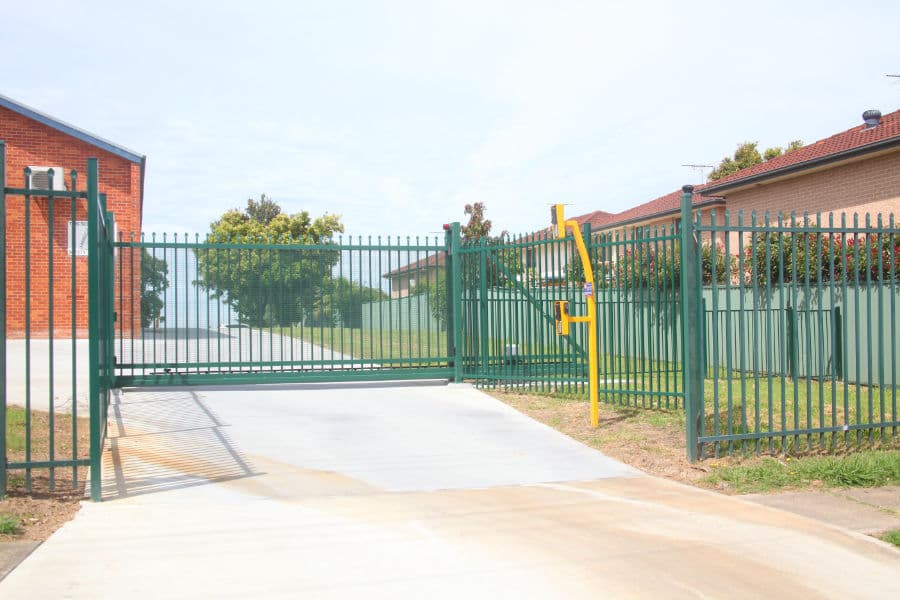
791, 325
61, 363
800, 328
774, 334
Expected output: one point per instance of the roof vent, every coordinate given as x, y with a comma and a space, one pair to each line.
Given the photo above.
872, 118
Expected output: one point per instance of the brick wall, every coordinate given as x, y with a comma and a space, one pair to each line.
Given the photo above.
29, 143
868, 186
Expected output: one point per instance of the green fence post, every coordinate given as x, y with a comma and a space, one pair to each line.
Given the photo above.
94, 327
690, 311
2, 320
455, 302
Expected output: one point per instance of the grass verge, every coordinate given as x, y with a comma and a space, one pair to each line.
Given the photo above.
868, 468
9, 524
892, 537
393, 346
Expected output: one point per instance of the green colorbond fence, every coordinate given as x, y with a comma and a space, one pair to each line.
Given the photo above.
409, 313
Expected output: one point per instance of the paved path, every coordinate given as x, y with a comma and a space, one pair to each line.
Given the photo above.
416, 492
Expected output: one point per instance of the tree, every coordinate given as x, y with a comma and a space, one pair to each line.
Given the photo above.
263, 211
477, 227
154, 280
269, 280
748, 155
504, 263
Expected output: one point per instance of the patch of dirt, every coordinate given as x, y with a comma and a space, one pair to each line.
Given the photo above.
41, 511
651, 440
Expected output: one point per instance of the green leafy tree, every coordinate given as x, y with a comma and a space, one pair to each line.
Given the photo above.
153, 282
263, 211
478, 227
504, 264
748, 155
275, 282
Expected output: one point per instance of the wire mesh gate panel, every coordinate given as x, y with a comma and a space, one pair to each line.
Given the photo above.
265, 310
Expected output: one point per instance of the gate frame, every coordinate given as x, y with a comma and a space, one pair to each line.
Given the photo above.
100, 376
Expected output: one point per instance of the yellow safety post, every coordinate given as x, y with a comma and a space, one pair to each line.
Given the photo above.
563, 318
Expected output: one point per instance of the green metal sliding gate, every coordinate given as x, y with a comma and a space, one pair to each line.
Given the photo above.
262, 310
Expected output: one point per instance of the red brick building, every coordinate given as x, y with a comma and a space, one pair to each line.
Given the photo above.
33, 139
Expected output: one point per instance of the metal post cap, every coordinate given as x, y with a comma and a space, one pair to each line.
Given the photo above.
687, 189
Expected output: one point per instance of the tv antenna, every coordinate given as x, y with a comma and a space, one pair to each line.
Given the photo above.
701, 170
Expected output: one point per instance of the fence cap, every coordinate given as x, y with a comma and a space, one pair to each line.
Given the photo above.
687, 189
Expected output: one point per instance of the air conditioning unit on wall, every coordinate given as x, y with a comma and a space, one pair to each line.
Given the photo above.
41, 180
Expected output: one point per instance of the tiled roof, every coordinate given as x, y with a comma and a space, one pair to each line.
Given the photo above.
596, 218
856, 139
669, 203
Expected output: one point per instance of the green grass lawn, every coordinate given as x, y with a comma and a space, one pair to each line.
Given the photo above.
394, 347
17, 434
892, 537
863, 469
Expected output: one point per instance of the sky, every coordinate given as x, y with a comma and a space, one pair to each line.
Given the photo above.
396, 114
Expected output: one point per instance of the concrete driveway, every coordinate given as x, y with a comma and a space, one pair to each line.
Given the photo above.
412, 492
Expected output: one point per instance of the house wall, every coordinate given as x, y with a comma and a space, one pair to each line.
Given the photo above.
401, 283
29, 143
866, 186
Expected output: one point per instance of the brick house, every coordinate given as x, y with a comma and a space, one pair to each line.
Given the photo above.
33, 139
404, 279
855, 171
